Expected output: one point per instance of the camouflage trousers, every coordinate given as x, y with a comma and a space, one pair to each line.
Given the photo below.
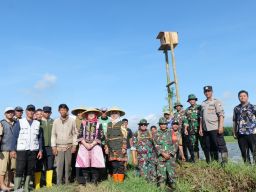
166, 171
147, 169
194, 140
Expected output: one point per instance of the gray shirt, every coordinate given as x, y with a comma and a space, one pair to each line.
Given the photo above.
210, 113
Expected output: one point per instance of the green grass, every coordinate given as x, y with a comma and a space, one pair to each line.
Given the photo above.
198, 177
229, 139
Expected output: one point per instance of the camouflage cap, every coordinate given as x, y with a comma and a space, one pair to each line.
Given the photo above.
162, 120
143, 121
192, 97
177, 104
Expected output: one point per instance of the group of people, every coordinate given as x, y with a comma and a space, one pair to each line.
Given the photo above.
98, 143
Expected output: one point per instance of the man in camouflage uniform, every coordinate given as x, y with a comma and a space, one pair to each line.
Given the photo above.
143, 152
192, 129
166, 153
180, 116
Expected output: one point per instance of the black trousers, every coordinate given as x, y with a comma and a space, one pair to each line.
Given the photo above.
211, 145
87, 175
246, 143
117, 167
26, 162
47, 162
222, 147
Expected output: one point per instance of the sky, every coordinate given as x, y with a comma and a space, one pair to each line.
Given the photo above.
105, 53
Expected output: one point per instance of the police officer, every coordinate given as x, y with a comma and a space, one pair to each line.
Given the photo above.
211, 127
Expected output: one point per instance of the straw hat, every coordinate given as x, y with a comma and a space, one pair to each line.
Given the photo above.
75, 111
115, 109
92, 110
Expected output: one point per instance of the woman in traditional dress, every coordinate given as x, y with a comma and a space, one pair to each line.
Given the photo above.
90, 155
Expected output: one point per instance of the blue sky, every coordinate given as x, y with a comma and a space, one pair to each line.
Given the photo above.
104, 53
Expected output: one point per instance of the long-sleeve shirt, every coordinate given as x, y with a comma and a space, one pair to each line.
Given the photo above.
64, 133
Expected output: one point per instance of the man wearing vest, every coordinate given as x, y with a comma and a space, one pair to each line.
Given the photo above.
48, 158
26, 147
7, 164
63, 142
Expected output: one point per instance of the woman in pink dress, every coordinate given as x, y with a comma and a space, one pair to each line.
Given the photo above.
90, 156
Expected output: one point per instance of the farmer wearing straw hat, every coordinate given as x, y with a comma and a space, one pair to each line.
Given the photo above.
90, 155
116, 144
143, 152
78, 113
192, 128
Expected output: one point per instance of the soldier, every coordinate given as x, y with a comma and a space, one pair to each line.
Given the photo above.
192, 129
143, 152
244, 126
166, 152
181, 117
116, 144
211, 127
177, 140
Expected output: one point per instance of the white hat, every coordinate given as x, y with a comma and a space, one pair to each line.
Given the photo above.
9, 109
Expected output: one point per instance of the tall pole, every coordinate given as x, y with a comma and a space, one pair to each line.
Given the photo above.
168, 82
175, 73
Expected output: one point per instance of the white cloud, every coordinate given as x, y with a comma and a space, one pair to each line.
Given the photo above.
47, 81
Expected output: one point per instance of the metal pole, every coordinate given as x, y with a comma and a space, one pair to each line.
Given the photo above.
175, 74
168, 81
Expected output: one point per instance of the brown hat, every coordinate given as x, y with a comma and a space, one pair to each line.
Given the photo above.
76, 110
92, 110
115, 109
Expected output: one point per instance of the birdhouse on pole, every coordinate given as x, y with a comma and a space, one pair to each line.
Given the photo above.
167, 39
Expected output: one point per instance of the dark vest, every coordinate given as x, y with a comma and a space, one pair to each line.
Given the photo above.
7, 135
115, 136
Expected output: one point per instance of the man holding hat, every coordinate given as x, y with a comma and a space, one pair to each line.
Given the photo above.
143, 152
212, 127
116, 143
27, 145
48, 158
7, 163
166, 154
192, 129
18, 112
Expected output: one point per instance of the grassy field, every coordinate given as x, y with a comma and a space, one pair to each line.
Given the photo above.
198, 177
230, 139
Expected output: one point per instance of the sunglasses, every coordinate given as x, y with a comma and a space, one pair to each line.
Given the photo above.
162, 124
143, 124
